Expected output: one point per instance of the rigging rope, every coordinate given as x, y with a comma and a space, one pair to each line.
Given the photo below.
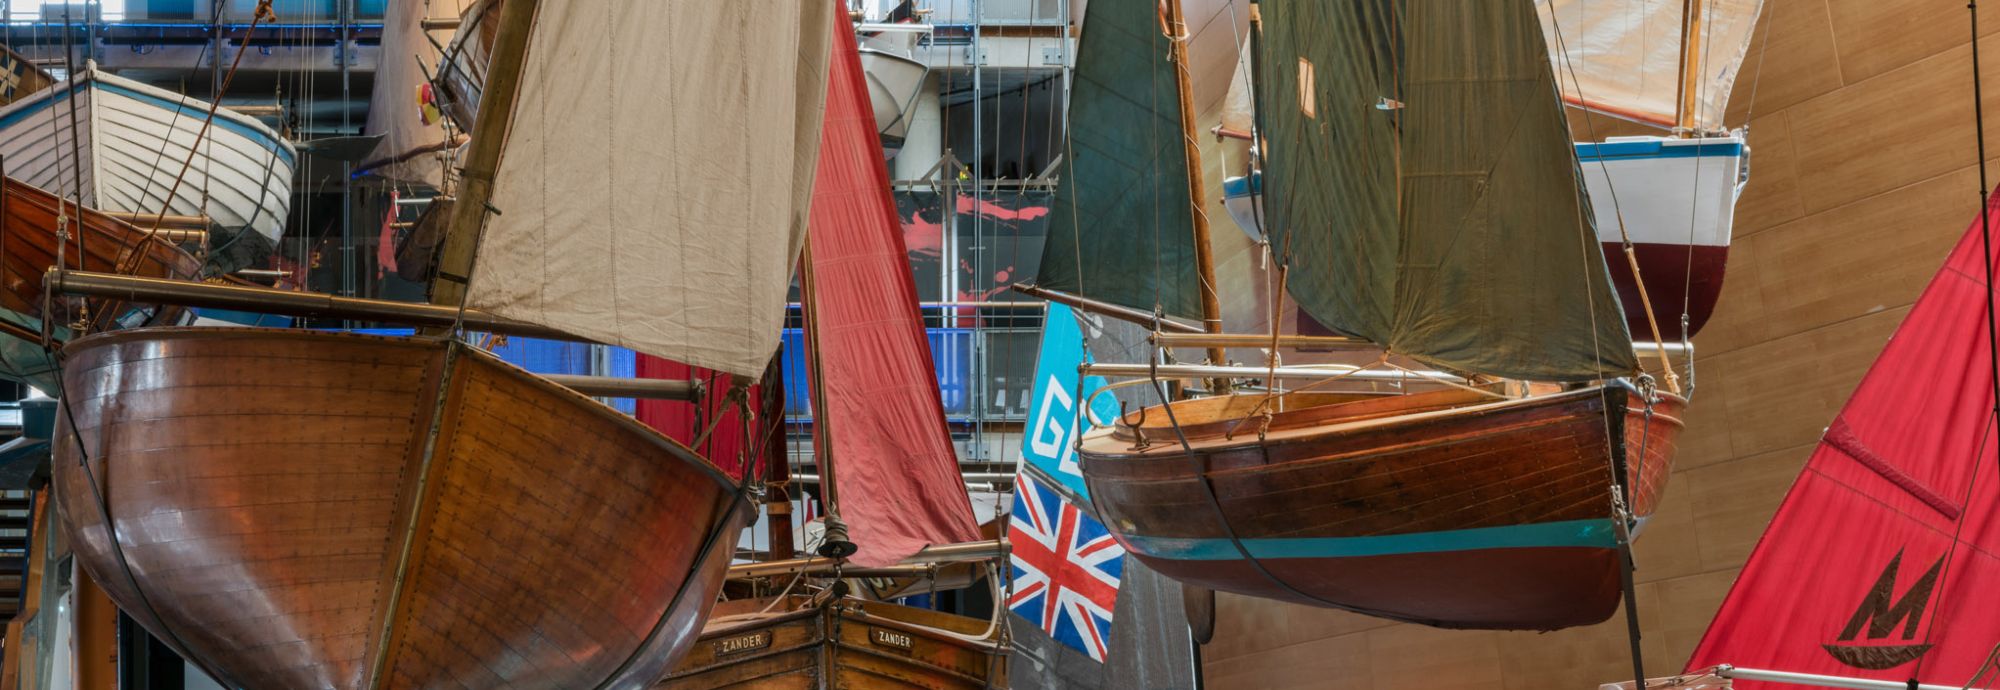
1992, 322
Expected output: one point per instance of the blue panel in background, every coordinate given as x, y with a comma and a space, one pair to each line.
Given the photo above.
552, 357
951, 356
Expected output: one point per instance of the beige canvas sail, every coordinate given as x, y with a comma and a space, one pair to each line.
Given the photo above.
1623, 57
654, 186
394, 107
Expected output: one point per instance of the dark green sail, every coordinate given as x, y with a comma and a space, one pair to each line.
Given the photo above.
1421, 178
1121, 231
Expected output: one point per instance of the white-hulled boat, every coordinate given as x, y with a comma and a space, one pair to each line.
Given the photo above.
895, 81
135, 138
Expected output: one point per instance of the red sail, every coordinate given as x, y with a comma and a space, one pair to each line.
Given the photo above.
684, 421
1884, 560
898, 483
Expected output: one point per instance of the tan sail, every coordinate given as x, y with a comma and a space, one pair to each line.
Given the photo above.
409, 54
1624, 57
687, 191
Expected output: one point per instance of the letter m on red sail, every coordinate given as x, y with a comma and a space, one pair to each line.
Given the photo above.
1883, 561
1880, 613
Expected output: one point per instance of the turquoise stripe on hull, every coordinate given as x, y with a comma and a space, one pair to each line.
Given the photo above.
1571, 533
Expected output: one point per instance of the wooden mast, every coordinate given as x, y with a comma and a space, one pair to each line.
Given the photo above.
1198, 603
835, 543
1204, 255
496, 112
1687, 105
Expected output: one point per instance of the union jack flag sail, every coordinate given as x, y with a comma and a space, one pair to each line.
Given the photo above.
1066, 568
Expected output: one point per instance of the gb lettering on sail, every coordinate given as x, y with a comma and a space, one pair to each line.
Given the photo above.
1053, 421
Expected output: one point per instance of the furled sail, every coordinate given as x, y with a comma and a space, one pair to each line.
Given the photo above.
395, 108
881, 420
1122, 231
1623, 57
704, 121
1421, 181
1883, 560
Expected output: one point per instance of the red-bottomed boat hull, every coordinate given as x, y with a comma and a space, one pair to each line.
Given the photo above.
1421, 508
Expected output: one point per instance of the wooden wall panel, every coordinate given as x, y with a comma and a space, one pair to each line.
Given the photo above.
1794, 51
1877, 36
1918, 125
1772, 195
1734, 500
1862, 177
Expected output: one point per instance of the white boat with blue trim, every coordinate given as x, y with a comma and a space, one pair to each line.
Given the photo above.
130, 140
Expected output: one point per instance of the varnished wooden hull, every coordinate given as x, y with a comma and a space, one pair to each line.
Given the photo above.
1430, 508
848, 643
300, 509
28, 222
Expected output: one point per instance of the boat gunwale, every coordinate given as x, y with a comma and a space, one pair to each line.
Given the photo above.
658, 439
96, 77
1170, 447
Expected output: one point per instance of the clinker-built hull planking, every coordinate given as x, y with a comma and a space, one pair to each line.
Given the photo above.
28, 222
301, 509
1431, 508
844, 643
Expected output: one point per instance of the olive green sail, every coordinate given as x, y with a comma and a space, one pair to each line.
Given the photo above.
1122, 228
1422, 186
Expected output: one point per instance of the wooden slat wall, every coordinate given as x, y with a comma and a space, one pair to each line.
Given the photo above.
1862, 176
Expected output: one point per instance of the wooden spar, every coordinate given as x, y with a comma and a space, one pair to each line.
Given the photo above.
836, 543
285, 302
778, 473
1222, 132
619, 387
442, 23
915, 565
482, 160
149, 220
257, 109
1257, 340
1177, 371
1342, 342
1686, 106
1204, 255
180, 236
1105, 309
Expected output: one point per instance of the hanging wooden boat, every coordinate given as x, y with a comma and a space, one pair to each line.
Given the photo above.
19, 76
842, 642
1462, 244
310, 509
1443, 508
28, 223
878, 419
134, 138
1673, 196
439, 517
